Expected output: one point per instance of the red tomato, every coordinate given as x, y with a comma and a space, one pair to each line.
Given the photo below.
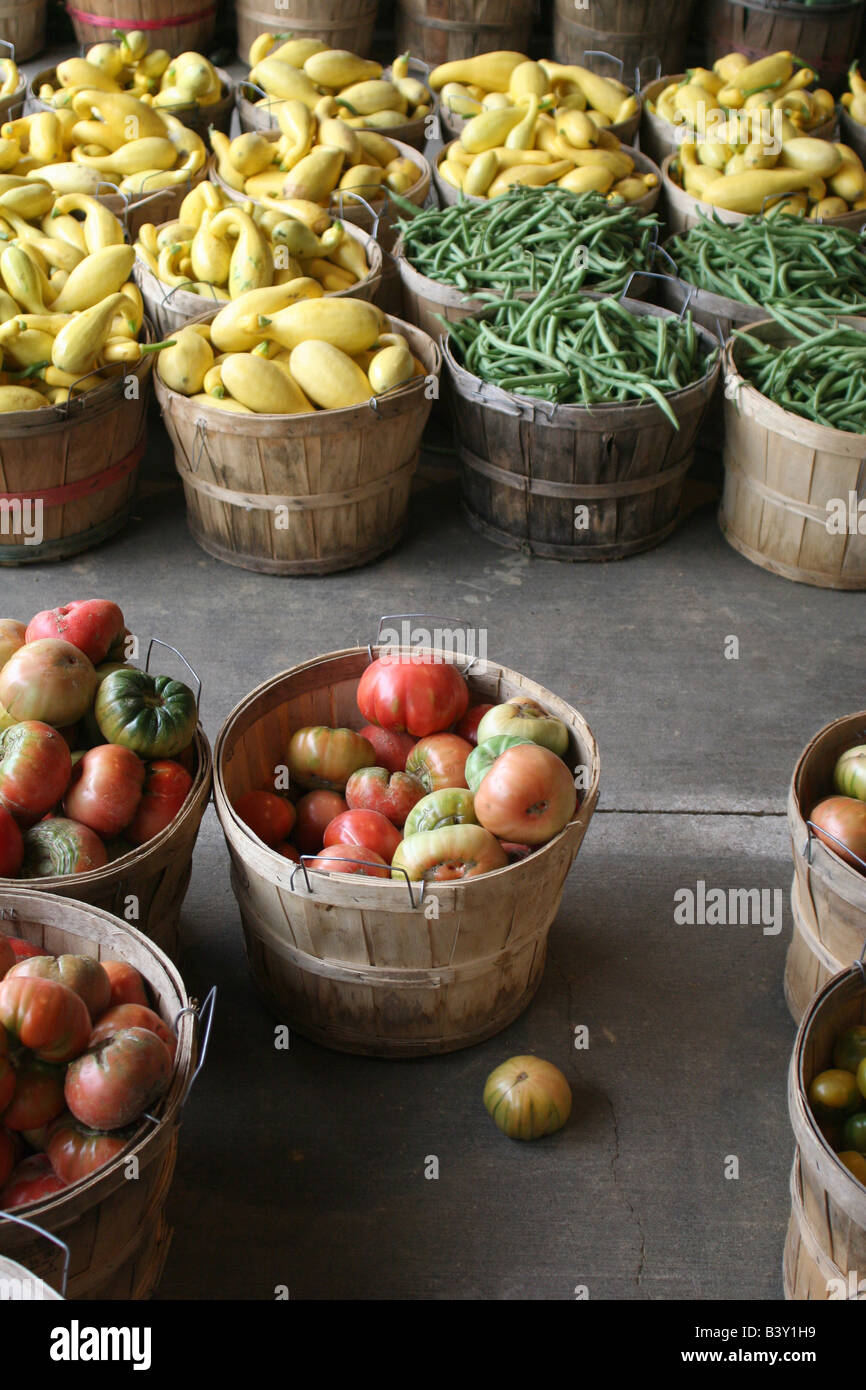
32, 1181
82, 974
58, 846
12, 636
38, 1097
46, 1017
133, 1016
75, 1151
288, 851
23, 950
843, 818
451, 852
7, 956
315, 811
35, 767
166, 787
391, 749
267, 815
127, 985
105, 789
92, 625
439, 761
351, 859
9, 1150
368, 829
528, 795
326, 758
411, 695
7, 1072
468, 726
394, 795
48, 680
188, 759
112, 1083
11, 845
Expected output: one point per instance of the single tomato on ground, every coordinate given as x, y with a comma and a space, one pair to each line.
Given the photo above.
527, 1097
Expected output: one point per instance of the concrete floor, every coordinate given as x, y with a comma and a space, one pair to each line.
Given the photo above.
306, 1169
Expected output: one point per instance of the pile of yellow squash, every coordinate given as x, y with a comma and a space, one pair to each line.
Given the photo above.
779, 82
493, 81
335, 82
854, 100
287, 350
823, 180
10, 77
129, 66
221, 249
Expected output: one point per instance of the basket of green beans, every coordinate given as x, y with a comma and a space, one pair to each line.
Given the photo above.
809, 365
454, 260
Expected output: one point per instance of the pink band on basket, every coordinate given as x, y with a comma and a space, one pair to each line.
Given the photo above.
70, 492
106, 22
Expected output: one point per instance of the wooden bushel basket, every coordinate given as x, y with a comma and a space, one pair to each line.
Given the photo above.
355, 963
658, 137
823, 36
160, 205
114, 1228
314, 493
827, 1234
784, 477
22, 1285
528, 465
76, 462
441, 30
180, 26
682, 211
339, 23
631, 30
828, 896
22, 23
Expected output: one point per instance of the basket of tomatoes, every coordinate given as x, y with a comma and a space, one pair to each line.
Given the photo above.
400, 827
97, 1054
105, 770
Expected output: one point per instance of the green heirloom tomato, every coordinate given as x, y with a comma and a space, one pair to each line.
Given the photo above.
850, 1048
322, 758
527, 1097
833, 1094
153, 715
854, 1132
849, 774
525, 718
450, 806
482, 758
452, 852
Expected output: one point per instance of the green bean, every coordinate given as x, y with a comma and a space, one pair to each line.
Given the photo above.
820, 375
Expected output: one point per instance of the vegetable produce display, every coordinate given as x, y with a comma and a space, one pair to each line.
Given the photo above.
854, 100
820, 375
528, 237
288, 350
335, 82
316, 159
219, 249
419, 817
778, 82
95, 756
86, 144
130, 65
79, 1066
524, 145
779, 259
837, 1097
502, 80
527, 1097
574, 351
839, 818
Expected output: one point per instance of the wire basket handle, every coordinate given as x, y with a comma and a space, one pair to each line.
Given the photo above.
203, 1014
368, 863
156, 641
47, 1235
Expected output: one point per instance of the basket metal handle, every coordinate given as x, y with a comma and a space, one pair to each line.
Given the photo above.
342, 193
156, 641
368, 863
638, 72
818, 831
203, 1015
603, 53
47, 1235
660, 275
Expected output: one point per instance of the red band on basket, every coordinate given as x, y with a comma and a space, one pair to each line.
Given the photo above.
71, 492
106, 22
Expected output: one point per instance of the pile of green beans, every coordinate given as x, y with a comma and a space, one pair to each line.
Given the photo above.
782, 259
515, 243
821, 375
573, 350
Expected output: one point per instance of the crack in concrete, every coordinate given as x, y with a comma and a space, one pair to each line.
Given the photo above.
632, 1210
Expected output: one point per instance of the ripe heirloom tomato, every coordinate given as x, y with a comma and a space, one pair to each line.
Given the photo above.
439, 761
451, 806
849, 774
527, 1097
850, 1048
153, 715
58, 846
38, 1097
50, 681
11, 845
267, 815
288, 851
326, 758
369, 829
35, 767
93, 625
127, 985
528, 795
525, 718
76, 1151
392, 794
482, 758
133, 1016
82, 974
7, 956
468, 726
32, 1181
350, 859
315, 811
166, 787
391, 749
452, 852
12, 636
833, 1094
412, 695
109, 1085
44, 1016
843, 817
105, 789
23, 950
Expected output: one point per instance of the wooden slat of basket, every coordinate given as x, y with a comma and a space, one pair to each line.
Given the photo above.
631, 30
22, 23
339, 23
439, 31
176, 25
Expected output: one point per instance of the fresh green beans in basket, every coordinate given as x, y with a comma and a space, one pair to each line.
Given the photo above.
573, 350
514, 243
782, 259
821, 375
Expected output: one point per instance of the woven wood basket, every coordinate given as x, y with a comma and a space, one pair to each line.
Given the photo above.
782, 473
114, 1228
339, 23
353, 963
302, 494
198, 118
448, 194
828, 896
528, 467
824, 36
439, 31
852, 133
162, 205
631, 30
682, 211
22, 23
179, 26
169, 309
827, 1238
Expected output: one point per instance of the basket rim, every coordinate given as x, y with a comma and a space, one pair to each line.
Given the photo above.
229, 819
